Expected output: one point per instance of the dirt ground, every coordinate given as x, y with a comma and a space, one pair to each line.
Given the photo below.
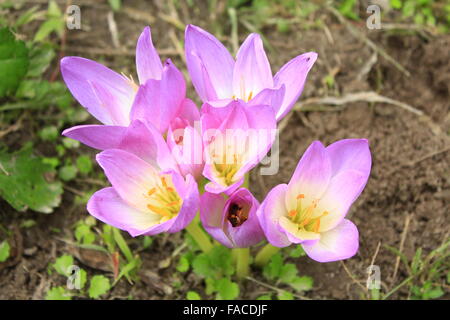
408, 192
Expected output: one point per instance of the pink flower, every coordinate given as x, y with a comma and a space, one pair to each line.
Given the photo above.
233, 221
311, 209
235, 139
143, 200
217, 76
116, 100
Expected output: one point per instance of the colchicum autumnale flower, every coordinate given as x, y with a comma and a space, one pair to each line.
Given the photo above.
217, 77
233, 221
235, 139
143, 200
116, 100
311, 209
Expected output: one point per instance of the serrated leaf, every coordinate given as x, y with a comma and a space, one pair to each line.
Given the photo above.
84, 164
58, 293
4, 250
285, 295
192, 295
99, 286
183, 264
62, 264
227, 289
273, 269
34, 186
288, 272
40, 59
304, 283
13, 62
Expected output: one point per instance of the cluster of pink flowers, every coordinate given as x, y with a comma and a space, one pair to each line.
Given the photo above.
157, 148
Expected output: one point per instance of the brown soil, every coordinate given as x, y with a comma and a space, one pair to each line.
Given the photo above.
411, 159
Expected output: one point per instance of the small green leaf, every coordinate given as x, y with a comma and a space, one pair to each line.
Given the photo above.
265, 297
62, 264
58, 293
304, 283
273, 269
99, 286
115, 4
34, 185
13, 62
49, 133
4, 250
183, 264
227, 289
297, 252
40, 59
202, 265
288, 272
70, 143
68, 172
285, 295
192, 295
84, 164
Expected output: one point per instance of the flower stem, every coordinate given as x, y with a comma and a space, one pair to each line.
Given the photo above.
200, 237
242, 262
264, 255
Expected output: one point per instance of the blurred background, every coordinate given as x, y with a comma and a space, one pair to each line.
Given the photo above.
383, 73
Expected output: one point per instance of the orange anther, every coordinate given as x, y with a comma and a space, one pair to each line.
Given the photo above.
317, 226
301, 196
151, 191
292, 213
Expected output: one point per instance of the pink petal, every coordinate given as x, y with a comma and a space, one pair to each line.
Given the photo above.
312, 175
269, 213
159, 101
107, 206
96, 136
252, 71
270, 97
351, 154
107, 95
293, 75
148, 63
211, 215
209, 63
130, 176
343, 190
337, 244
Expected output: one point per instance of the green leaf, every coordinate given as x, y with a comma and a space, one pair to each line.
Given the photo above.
49, 133
304, 283
28, 16
84, 164
40, 59
34, 186
68, 172
13, 62
192, 295
288, 272
70, 143
202, 265
49, 26
115, 4
273, 269
122, 244
58, 293
99, 286
265, 297
396, 4
227, 289
297, 252
83, 278
183, 264
84, 235
4, 251
285, 295
62, 264
434, 293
